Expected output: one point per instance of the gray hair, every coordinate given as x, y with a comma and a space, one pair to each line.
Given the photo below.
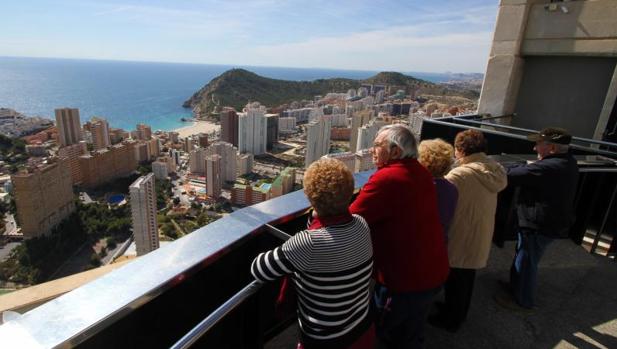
401, 136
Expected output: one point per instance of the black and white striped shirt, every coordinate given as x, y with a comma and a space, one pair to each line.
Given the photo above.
331, 268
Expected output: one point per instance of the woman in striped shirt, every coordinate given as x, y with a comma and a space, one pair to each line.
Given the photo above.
330, 263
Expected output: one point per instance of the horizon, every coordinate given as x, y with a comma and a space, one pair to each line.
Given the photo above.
244, 66
442, 36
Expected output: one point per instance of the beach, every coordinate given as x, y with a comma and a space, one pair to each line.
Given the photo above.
197, 127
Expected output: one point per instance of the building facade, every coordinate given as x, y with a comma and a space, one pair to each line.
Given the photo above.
99, 128
72, 153
104, 165
229, 126
43, 197
317, 139
252, 130
284, 183
214, 181
69, 126
143, 212
245, 164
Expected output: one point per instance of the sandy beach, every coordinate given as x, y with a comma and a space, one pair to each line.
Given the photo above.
197, 127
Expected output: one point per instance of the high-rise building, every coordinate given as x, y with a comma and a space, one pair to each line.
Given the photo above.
144, 132
72, 153
69, 126
245, 164
287, 125
43, 196
174, 137
117, 135
154, 148
364, 160
160, 170
339, 120
229, 126
99, 128
317, 139
214, 182
202, 140
367, 133
228, 154
143, 211
284, 183
252, 129
141, 152
315, 114
197, 161
104, 165
188, 145
348, 158
358, 120
272, 124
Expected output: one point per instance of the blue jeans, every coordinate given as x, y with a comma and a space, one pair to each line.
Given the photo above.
400, 317
524, 271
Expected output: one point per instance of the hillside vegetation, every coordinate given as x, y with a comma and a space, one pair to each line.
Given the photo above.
237, 87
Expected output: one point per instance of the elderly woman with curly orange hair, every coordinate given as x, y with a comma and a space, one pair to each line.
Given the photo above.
331, 264
438, 156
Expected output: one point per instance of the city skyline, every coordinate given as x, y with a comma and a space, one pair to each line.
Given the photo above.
424, 36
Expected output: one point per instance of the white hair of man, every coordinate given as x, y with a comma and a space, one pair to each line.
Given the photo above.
401, 136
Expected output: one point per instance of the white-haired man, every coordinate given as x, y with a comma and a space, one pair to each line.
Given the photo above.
399, 202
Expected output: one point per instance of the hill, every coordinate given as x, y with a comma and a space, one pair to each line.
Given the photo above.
236, 87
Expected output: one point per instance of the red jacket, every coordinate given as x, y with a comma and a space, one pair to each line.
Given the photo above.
399, 202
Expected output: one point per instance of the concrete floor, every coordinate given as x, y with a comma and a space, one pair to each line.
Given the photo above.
576, 299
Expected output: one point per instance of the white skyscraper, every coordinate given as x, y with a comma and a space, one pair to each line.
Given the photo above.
317, 139
367, 133
143, 209
252, 129
228, 154
358, 120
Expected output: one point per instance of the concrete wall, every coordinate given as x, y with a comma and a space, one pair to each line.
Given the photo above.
563, 91
538, 28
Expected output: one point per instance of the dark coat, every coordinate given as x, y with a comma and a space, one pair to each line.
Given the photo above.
548, 189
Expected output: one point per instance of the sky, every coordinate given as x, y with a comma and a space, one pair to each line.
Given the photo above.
408, 35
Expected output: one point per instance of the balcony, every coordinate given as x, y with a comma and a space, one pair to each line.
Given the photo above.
158, 298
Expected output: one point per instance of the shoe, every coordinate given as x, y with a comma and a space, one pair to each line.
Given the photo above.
440, 322
505, 300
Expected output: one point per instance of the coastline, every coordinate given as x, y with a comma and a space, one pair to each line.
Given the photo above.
199, 126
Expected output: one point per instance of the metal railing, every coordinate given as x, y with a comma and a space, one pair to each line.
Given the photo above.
208, 323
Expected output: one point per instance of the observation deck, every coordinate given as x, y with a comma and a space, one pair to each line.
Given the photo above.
157, 299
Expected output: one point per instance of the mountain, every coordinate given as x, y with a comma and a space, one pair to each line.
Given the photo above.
236, 87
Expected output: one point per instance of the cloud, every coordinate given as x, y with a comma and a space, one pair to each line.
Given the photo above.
400, 48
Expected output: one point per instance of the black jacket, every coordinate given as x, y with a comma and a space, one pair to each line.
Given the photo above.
548, 188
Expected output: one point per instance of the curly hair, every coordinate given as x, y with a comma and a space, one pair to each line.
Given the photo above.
436, 155
470, 142
329, 185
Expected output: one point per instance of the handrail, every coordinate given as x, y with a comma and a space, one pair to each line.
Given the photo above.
448, 122
232, 303
206, 324
508, 127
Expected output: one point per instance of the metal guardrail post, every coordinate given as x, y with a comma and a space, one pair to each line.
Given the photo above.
596, 241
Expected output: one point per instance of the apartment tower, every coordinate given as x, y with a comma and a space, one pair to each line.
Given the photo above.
143, 209
69, 126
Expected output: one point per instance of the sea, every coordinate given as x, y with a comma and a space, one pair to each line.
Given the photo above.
128, 93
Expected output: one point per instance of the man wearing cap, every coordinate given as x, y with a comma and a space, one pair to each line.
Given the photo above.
545, 209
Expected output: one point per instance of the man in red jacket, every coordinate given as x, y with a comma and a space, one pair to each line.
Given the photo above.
399, 202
